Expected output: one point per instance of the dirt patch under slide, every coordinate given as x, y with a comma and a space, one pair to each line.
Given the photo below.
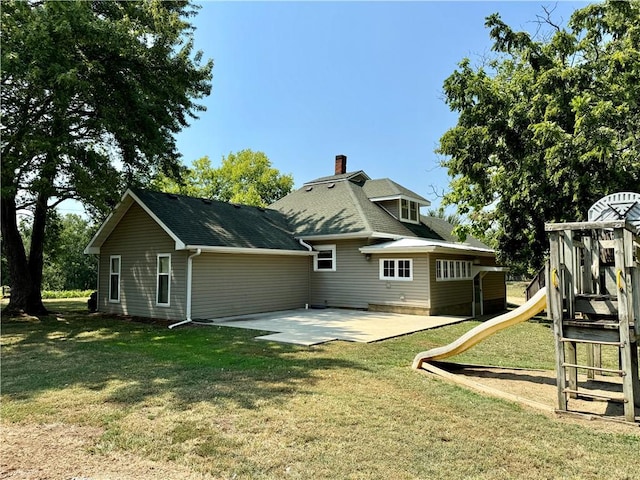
537, 389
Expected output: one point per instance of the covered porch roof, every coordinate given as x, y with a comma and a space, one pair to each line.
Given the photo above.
424, 245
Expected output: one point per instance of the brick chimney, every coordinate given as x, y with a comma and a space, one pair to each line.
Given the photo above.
341, 164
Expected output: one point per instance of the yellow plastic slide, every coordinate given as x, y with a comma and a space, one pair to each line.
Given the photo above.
532, 307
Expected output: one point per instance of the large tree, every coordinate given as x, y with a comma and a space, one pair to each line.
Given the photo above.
546, 126
92, 96
245, 177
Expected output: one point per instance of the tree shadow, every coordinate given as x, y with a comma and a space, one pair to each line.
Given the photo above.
132, 362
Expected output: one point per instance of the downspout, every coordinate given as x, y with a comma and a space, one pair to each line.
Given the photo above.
189, 281
305, 244
310, 248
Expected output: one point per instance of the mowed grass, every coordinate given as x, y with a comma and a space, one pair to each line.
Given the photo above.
218, 402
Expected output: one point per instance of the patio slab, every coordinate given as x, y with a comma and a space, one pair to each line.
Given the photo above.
312, 326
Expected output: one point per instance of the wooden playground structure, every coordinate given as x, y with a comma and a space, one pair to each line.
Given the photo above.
593, 298
592, 294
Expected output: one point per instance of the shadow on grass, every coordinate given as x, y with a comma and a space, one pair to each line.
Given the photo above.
132, 362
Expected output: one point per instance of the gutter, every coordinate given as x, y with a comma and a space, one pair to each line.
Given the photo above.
189, 282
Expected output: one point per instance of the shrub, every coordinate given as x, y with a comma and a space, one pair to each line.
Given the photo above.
48, 294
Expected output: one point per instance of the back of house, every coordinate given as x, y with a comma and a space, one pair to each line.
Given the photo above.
344, 240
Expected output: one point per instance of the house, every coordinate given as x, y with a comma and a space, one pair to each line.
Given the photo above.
345, 240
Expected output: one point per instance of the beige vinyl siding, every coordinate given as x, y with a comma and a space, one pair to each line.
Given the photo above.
391, 206
138, 239
356, 283
231, 284
494, 292
453, 297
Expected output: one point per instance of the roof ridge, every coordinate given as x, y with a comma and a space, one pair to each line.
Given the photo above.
193, 197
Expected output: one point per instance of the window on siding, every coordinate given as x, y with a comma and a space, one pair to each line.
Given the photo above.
114, 278
396, 269
325, 260
453, 270
408, 211
164, 280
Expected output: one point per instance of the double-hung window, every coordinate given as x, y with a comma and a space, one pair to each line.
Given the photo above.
164, 280
396, 269
114, 278
453, 270
325, 260
408, 210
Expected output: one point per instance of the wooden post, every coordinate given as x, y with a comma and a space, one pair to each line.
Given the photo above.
554, 295
587, 283
587, 287
623, 287
569, 276
595, 262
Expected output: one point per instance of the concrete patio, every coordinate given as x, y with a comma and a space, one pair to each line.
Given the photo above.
315, 326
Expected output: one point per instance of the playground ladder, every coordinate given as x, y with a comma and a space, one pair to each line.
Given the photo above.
596, 303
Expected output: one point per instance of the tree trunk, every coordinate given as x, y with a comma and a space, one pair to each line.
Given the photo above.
25, 292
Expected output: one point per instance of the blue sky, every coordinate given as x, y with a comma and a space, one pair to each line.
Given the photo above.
304, 81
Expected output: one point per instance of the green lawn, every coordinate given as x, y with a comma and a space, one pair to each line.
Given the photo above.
218, 403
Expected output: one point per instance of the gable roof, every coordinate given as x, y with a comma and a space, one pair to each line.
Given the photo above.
208, 224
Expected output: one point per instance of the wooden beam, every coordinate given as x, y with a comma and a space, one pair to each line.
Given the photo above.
494, 392
555, 227
624, 301
554, 296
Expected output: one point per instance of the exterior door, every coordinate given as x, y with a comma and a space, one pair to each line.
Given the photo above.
477, 295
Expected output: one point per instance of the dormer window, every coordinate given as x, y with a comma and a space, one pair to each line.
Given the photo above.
408, 211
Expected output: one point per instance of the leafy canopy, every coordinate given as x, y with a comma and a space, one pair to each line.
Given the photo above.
546, 127
92, 95
245, 177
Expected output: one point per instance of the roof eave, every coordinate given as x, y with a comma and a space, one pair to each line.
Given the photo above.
373, 249
247, 250
421, 201
347, 236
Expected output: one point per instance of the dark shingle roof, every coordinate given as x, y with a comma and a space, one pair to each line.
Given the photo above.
444, 229
385, 187
335, 209
343, 207
202, 222
340, 177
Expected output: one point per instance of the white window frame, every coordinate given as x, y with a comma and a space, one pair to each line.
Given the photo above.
324, 248
164, 274
111, 274
396, 269
416, 210
453, 270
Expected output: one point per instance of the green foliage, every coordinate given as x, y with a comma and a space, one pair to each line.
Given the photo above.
545, 128
54, 294
245, 177
92, 95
